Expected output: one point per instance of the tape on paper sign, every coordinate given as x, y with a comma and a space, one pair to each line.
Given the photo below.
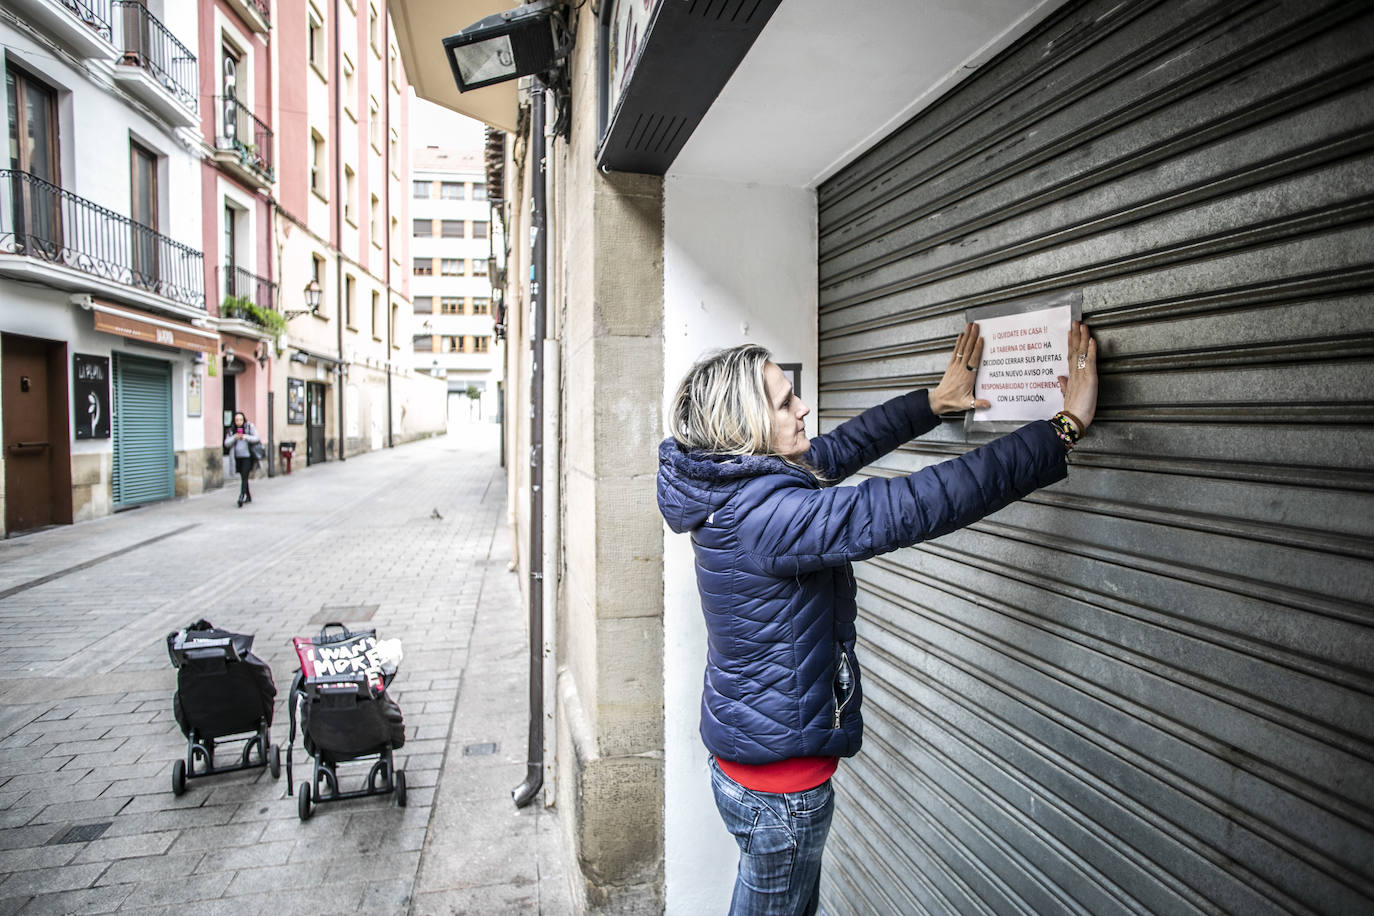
1025, 350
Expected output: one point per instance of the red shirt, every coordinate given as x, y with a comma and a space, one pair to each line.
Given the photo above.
795, 774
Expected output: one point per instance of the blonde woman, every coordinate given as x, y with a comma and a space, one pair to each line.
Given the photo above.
774, 540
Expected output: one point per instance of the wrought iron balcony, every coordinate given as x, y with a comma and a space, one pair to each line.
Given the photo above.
94, 13
82, 27
240, 284
40, 220
263, 7
148, 44
243, 134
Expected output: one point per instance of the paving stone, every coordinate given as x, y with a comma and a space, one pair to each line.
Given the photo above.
157, 821
173, 864
12, 860
79, 811
29, 835
256, 856
476, 901
87, 900
51, 880
174, 893
218, 837
125, 847
391, 897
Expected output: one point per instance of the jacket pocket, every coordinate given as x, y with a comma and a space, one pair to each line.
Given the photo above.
842, 688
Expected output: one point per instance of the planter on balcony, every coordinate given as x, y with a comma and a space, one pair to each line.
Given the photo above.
244, 143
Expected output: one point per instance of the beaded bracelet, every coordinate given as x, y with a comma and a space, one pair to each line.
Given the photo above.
1067, 429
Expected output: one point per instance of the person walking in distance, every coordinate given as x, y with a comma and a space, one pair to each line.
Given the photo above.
774, 539
241, 439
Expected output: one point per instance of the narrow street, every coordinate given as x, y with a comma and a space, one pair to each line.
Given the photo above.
412, 541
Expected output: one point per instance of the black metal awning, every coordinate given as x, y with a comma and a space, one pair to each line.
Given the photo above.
687, 54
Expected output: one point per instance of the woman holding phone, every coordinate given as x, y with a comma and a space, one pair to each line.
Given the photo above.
240, 440
774, 539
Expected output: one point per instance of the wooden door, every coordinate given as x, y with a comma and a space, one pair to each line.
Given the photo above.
37, 456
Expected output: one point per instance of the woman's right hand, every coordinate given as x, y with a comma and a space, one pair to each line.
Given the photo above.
1080, 386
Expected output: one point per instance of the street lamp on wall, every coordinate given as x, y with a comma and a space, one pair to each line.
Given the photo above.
312, 294
505, 46
530, 39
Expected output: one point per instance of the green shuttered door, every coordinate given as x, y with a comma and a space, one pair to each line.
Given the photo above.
143, 469
1150, 688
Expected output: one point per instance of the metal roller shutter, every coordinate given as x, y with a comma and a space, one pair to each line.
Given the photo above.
1148, 688
143, 470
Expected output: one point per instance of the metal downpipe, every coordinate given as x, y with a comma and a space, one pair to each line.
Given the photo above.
524, 793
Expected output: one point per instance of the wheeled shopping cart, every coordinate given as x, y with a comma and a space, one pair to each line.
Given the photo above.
224, 698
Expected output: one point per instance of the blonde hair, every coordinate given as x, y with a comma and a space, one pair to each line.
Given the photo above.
722, 406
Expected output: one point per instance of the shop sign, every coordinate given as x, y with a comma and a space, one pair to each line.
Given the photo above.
295, 401
152, 329
194, 387
91, 395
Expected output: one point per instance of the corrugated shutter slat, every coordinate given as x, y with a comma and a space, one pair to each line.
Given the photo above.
143, 457
1149, 688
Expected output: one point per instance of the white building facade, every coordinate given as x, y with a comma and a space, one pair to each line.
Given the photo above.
451, 242
102, 303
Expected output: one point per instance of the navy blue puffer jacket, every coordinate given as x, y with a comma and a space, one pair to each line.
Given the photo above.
773, 553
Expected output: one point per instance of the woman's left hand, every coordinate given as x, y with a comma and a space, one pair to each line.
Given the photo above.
955, 391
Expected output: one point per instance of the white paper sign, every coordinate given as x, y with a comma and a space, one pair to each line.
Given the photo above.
1023, 356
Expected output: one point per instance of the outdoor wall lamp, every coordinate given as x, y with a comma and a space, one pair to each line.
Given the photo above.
312, 301
508, 45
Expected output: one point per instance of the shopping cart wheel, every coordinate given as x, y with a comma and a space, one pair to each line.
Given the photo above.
303, 800
274, 761
179, 777
400, 788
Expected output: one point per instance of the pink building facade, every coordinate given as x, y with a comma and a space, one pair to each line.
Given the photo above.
305, 130
340, 220
238, 181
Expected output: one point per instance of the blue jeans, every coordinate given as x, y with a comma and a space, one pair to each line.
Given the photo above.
781, 838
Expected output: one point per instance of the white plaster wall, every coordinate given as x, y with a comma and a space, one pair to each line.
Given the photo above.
96, 121
33, 311
739, 266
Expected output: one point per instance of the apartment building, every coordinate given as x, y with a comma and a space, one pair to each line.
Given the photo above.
238, 180
452, 240
343, 260
103, 310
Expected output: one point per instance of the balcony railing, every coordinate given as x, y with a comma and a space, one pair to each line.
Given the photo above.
41, 220
146, 43
95, 13
240, 284
242, 132
264, 8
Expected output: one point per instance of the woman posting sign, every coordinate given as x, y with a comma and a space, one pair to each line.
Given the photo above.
774, 538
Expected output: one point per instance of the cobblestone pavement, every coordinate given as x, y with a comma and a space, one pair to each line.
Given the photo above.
411, 540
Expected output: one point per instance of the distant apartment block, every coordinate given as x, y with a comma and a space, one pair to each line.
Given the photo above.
451, 242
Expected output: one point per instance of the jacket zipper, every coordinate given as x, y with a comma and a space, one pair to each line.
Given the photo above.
844, 680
